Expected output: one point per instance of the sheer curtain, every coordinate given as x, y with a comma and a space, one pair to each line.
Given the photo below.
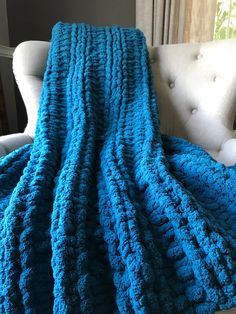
176, 21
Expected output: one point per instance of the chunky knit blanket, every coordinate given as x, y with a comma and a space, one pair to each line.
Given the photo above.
103, 214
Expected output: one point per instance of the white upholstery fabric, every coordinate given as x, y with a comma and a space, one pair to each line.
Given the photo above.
8, 143
196, 94
29, 64
195, 84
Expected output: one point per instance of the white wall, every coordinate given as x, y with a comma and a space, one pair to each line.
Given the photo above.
6, 72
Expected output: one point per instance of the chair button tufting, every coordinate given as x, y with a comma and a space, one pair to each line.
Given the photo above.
171, 84
194, 110
199, 56
153, 61
215, 78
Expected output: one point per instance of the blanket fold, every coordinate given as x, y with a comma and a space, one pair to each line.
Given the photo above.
102, 213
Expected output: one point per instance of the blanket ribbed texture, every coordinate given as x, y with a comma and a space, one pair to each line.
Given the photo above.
102, 214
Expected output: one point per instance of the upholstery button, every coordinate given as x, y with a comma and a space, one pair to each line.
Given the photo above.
215, 78
171, 84
194, 110
152, 60
199, 56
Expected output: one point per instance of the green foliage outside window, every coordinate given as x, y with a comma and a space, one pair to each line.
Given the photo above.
225, 21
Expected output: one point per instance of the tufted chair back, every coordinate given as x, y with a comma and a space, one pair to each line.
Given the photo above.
196, 93
195, 86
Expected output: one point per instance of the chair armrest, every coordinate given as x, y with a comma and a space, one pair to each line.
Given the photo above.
8, 143
227, 154
29, 64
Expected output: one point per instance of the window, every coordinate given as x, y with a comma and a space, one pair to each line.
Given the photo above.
225, 20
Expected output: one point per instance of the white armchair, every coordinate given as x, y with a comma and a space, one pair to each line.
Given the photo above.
196, 93
11, 142
196, 89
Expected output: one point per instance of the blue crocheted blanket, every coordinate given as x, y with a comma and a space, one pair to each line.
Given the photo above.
103, 214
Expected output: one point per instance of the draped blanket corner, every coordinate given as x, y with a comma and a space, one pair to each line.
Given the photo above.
103, 214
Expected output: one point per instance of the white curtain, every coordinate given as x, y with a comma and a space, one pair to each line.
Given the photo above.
168, 21
175, 21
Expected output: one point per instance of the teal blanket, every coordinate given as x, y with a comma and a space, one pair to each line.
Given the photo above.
103, 214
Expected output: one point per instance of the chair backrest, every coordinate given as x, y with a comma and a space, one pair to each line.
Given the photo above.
196, 93
195, 85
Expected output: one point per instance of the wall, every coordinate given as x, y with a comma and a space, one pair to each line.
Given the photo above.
6, 72
33, 20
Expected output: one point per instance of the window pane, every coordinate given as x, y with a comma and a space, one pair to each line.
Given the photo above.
225, 21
